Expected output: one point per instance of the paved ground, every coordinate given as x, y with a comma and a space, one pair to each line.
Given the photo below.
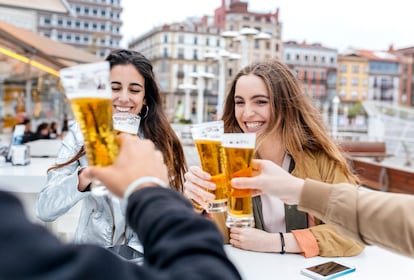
191, 155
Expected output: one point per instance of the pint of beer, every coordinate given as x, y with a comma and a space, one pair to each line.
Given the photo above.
207, 139
88, 89
238, 155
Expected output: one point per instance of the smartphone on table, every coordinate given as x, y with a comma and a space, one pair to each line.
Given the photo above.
127, 252
327, 270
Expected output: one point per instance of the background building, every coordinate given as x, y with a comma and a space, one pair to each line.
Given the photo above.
313, 63
206, 52
92, 25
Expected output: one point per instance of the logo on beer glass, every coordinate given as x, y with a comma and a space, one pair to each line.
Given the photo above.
126, 122
207, 139
238, 155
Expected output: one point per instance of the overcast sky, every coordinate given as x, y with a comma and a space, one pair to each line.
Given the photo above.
334, 23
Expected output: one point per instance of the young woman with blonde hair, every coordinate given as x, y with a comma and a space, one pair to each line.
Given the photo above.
265, 98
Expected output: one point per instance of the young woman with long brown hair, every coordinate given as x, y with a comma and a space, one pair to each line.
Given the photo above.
134, 90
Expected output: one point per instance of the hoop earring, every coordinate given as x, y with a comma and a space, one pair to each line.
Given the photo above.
146, 111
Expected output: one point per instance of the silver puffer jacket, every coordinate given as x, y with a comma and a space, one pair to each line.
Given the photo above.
98, 214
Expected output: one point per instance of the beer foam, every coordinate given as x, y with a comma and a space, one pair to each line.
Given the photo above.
89, 80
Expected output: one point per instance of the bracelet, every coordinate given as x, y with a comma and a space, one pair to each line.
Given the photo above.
143, 180
282, 243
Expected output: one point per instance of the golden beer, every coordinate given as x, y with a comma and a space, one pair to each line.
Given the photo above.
207, 139
211, 158
238, 154
95, 119
239, 165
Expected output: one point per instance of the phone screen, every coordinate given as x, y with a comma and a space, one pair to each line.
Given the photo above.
327, 270
126, 252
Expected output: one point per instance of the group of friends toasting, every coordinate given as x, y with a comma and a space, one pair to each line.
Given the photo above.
266, 116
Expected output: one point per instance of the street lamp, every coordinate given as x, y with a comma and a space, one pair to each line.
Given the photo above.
187, 90
222, 57
202, 78
245, 36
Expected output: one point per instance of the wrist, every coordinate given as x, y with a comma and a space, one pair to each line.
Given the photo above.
147, 181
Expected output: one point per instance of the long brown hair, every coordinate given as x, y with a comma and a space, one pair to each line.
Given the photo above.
293, 114
154, 122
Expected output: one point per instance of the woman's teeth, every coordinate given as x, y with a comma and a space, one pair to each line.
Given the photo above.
253, 125
122, 109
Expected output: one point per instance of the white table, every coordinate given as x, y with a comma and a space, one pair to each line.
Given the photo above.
25, 181
373, 263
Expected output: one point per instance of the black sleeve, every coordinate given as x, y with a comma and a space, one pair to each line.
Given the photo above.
30, 251
175, 239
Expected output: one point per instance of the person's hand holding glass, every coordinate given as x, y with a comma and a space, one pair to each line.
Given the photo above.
207, 139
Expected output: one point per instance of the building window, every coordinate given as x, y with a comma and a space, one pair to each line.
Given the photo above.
277, 47
165, 53
195, 40
195, 54
343, 81
297, 57
181, 39
165, 38
355, 81
180, 53
355, 68
342, 68
287, 56
354, 95
207, 41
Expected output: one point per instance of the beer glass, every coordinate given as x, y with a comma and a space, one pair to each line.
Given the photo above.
126, 122
238, 154
88, 89
207, 139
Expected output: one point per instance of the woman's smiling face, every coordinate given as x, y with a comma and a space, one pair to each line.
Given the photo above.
252, 106
128, 89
